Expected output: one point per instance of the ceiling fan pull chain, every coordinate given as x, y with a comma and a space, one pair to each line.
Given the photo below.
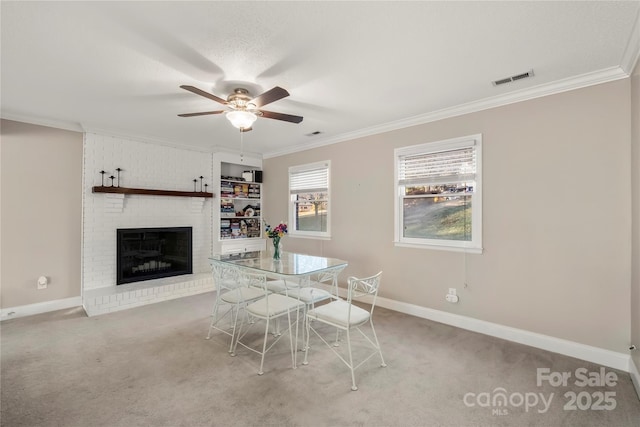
241, 146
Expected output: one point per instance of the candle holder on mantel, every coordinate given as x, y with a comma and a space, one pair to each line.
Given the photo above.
118, 182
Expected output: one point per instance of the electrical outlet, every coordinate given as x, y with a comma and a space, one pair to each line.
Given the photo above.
42, 282
453, 291
452, 298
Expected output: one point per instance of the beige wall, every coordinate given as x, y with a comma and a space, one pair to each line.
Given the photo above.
556, 216
41, 213
635, 235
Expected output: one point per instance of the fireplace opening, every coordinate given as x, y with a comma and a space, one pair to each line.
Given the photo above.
152, 253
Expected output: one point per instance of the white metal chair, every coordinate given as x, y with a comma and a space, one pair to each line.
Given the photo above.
270, 307
346, 316
234, 293
313, 292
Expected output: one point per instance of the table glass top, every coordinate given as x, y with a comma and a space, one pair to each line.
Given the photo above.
290, 263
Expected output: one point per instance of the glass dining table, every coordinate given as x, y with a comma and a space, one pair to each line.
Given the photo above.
293, 267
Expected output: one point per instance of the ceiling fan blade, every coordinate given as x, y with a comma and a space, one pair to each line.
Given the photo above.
280, 116
269, 96
205, 94
204, 113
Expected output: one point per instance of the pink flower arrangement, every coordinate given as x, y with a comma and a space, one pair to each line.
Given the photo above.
279, 231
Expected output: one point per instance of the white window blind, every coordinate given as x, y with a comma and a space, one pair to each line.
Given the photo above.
309, 180
438, 195
453, 166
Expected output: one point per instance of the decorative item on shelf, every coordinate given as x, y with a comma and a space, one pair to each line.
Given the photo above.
102, 173
203, 189
118, 181
275, 234
112, 178
247, 175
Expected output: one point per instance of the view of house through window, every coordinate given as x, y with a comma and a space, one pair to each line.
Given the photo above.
309, 199
438, 194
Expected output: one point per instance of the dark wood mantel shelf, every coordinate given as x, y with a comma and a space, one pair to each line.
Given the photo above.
148, 192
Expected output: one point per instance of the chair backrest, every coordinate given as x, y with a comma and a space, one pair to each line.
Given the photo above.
360, 287
225, 277
251, 280
324, 277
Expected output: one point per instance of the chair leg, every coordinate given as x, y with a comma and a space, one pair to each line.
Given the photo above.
276, 328
235, 324
214, 317
307, 326
235, 342
353, 376
336, 343
304, 328
294, 346
264, 347
375, 336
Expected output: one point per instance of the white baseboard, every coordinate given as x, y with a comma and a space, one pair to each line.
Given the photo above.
634, 371
597, 355
41, 307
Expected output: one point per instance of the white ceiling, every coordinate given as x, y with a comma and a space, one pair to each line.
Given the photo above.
352, 68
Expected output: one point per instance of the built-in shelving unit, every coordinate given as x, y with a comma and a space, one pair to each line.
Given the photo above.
240, 209
238, 215
150, 192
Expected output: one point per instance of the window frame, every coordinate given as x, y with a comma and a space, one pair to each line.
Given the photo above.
472, 246
322, 235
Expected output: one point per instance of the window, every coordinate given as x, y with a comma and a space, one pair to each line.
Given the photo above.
439, 195
309, 200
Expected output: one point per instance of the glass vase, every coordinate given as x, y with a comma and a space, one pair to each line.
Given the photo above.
276, 247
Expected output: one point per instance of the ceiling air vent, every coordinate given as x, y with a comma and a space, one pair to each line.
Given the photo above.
513, 78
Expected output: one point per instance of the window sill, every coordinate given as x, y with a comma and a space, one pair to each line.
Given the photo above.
440, 247
309, 236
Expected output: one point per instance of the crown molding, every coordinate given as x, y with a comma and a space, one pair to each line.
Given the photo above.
632, 51
144, 139
40, 121
77, 127
216, 149
589, 79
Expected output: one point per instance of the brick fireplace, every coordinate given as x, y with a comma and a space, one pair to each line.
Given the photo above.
150, 166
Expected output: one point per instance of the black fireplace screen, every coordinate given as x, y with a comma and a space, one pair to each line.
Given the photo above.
152, 253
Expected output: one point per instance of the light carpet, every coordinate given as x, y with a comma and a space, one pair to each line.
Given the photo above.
151, 366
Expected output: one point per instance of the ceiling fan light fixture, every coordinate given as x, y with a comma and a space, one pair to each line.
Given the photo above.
241, 119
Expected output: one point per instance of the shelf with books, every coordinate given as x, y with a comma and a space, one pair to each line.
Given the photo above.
239, 228
234, 207
239, 189
238, 220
